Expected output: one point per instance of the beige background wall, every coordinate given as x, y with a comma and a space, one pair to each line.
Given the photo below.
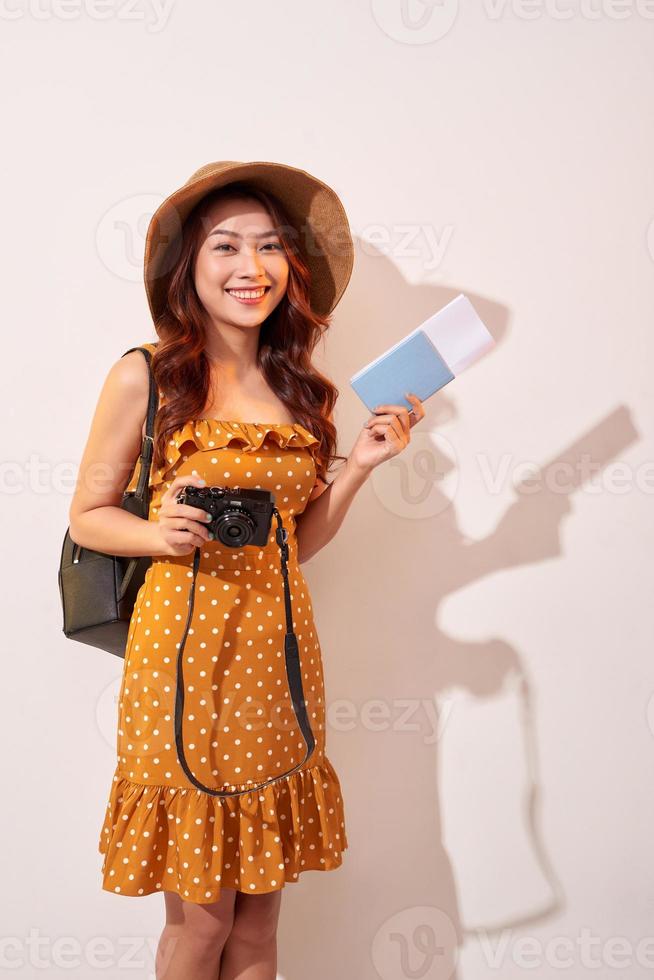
488, 654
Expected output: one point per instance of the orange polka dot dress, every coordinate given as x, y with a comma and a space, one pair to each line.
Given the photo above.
161, 833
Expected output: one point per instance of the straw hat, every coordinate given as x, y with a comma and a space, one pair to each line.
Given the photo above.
320, 227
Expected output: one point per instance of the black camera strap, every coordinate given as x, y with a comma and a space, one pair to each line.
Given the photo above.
293, 673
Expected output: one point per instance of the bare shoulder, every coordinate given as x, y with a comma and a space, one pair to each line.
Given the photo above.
115, 434
131, 374
127, 386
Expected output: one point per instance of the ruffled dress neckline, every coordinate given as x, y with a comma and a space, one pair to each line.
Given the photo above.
210, 433
236, 422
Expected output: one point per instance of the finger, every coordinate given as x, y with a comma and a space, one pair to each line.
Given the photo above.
187, 525
394, 425
396, 409
187, 479
401, 427
400, 411
191, 479
178, 512
195, 513
418, 411
403, 421
186, 539
380, 418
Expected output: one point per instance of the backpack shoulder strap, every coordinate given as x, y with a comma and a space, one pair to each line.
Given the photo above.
147, 447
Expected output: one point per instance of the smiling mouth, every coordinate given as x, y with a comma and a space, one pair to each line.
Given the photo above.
249, 294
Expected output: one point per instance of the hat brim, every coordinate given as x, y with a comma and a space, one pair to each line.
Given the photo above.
318, 219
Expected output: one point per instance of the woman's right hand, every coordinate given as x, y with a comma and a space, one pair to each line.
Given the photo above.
180, 528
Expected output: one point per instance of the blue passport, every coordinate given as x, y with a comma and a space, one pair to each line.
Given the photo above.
425, 360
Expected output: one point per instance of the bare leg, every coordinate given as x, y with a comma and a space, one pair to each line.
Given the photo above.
250, 952
193, 938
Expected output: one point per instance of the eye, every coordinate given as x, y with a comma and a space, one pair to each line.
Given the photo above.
274, 245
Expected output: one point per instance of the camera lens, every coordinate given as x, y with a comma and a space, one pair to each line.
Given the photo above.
234, 528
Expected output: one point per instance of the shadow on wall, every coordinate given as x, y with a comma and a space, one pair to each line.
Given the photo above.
394, 908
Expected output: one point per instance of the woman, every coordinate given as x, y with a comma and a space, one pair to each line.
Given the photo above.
243, 266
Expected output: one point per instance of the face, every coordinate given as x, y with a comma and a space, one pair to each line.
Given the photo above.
241, 269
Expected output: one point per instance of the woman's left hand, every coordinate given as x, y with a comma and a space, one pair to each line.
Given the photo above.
385, 434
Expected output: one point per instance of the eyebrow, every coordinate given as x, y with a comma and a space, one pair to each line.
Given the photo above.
235, 234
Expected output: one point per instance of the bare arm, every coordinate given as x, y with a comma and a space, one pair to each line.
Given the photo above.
383, 436
322, 517
96, 519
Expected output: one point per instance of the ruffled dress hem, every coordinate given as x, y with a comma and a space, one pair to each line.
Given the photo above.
255, 843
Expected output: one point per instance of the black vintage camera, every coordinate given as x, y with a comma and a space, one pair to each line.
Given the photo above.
238, 517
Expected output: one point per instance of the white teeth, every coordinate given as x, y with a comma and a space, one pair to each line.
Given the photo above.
247, 293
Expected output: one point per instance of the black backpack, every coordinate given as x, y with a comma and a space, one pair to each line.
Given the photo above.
98, 591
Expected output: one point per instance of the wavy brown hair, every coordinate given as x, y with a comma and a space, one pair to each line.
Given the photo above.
287, 338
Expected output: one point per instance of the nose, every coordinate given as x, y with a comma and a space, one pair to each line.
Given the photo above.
251, 267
